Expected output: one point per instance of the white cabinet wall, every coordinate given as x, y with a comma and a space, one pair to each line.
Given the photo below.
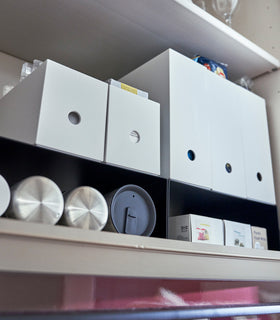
263, 30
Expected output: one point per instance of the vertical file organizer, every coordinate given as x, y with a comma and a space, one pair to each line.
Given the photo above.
257, 156
225, 118
213, 132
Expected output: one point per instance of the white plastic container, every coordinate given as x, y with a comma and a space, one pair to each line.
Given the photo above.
209, 127
133, 131
57, 108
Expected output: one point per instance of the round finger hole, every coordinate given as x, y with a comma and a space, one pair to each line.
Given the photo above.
228, 167
74, 117
134, 136
191, 155
259, 176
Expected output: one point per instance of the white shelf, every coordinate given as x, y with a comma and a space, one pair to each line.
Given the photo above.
37, 248
109, 38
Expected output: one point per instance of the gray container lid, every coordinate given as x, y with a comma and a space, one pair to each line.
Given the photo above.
133, 211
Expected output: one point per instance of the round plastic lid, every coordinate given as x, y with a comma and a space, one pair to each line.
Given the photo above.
133, 211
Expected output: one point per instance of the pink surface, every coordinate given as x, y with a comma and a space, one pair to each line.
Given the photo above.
120, 293
167, 298
26, 292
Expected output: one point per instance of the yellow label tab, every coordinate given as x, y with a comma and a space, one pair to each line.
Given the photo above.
204, 224
128, 88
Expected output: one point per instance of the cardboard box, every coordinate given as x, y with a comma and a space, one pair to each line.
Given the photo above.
196, 228
259, 238
237, 234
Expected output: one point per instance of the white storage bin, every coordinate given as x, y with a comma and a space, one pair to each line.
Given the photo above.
133, 131
57, 108
208, 125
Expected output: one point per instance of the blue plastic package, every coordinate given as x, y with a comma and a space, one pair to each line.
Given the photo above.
218, 68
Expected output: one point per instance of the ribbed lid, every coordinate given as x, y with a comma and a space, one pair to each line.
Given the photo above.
85, 207
36, 199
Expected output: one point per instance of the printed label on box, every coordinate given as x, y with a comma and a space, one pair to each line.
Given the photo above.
237, 234
207, 230
196, 228
259, 238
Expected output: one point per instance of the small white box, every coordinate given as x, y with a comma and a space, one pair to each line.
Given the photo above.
57, 108
196, 228
133, 131
237, 234
259, 238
